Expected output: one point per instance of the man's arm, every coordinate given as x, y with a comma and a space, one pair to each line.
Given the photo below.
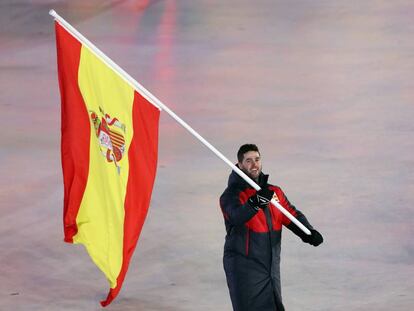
235, 212
315, 238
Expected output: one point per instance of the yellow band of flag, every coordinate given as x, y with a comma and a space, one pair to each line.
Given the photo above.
109, 158
106, 186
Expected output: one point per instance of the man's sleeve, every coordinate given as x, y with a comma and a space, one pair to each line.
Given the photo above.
233, 211
295, 212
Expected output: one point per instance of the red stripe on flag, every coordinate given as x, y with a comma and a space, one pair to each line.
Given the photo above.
115, 134
117, 139
75, 129
142, 154
117, 144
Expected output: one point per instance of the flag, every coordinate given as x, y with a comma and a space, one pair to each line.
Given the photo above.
109, 157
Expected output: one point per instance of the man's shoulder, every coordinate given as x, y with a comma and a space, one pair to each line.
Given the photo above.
274, 187
231, 190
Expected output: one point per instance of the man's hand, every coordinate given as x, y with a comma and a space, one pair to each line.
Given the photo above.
261, 198
314, 239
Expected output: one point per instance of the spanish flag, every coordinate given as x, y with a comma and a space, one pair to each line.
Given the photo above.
109, 158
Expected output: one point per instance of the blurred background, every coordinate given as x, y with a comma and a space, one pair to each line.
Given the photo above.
324, 88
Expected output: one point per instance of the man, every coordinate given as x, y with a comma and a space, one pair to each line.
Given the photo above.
254, 226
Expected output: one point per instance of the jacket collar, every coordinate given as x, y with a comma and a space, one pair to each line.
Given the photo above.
236, 181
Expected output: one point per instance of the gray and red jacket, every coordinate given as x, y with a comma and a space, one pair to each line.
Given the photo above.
253, 244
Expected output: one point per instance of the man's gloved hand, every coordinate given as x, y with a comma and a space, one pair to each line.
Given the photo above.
261, 198
314, 239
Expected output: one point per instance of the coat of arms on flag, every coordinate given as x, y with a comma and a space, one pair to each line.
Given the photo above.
110, 133
100, 142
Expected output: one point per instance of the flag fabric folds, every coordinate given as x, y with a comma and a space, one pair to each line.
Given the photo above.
109, 157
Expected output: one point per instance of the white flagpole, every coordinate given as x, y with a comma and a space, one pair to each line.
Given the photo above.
157, 103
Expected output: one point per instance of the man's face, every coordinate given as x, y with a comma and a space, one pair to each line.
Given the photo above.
251, 164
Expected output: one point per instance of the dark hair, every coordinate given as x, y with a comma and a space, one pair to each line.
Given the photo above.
244, 149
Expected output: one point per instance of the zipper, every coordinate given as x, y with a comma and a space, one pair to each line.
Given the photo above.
247, 241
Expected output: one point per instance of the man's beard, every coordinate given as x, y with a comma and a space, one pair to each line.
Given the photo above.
256, 179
